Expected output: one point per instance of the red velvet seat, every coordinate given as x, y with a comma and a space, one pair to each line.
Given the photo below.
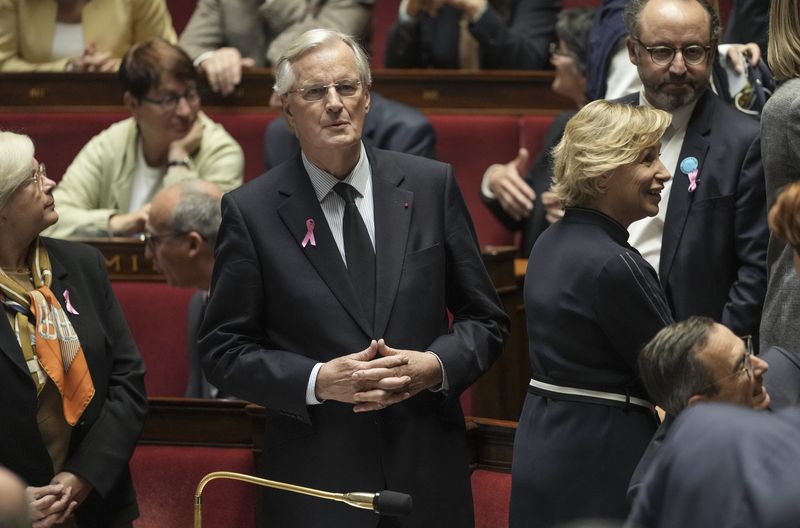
166, 478
471, 143
491, 493
248, 130
181, 11
58, 137
156, 315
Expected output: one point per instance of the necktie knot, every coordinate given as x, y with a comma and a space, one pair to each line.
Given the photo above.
346, 191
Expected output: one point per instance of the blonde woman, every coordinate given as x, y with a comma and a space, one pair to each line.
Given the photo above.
592, 302
780, 137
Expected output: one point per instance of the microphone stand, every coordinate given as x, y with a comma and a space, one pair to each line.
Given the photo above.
357, 499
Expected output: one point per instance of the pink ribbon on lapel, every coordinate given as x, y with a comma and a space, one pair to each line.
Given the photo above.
68, 304
309, 234
692, 180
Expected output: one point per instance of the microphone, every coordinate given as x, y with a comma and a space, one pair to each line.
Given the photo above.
386, 503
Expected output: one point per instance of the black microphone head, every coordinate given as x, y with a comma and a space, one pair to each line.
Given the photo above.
392, 503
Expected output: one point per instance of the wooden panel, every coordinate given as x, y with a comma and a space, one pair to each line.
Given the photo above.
435, 91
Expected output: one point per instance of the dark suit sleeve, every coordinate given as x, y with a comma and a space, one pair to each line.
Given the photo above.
479, 323
524, 43
742, 312
402, 45
107, 446
234, 349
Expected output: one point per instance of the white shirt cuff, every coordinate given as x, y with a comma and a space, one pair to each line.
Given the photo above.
200, 58
445, 384
485, 190
311, 396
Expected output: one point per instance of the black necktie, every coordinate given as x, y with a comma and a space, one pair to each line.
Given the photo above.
358, 251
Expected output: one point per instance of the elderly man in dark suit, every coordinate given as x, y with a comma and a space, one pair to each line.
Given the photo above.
709, 244
222, 36
335, 273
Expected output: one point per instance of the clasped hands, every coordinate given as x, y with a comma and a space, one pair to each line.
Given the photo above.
53, 504
377, 377
431, 7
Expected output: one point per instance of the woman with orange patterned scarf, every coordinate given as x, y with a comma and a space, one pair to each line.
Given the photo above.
72, 397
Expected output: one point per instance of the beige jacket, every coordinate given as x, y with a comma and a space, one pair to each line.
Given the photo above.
98, 182
27, 28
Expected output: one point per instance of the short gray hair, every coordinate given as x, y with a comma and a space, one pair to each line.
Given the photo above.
16, 163
197, 210
633, 17
312, 39
670, 367
573, 27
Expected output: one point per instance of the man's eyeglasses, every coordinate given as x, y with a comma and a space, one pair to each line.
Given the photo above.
747, 364
555, 51
153, 239
169, 102
316, 92
693, 54
38, 176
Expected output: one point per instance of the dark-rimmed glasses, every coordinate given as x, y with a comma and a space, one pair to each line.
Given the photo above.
153, 239
316, 92
693, 54
169, 102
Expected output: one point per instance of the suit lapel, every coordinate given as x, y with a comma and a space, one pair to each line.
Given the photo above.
392, 209
301, 204
10, 346
695, 144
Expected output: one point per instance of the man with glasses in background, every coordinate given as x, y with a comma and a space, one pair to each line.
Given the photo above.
334, 276
108, 187
696, 361
709, 243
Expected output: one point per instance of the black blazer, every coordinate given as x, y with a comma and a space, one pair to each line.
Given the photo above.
518, 41
104, 439
277, 308
714, 248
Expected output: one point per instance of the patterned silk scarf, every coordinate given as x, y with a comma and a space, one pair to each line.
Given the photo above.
47, 337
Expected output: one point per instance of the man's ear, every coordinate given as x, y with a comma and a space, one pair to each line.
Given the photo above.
631, 44
696, 398
130, 102
287, 110
369, 100
196, 243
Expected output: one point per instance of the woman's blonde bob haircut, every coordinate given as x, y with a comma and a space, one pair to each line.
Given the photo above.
601, 137
784, 217
784, 39
16, 164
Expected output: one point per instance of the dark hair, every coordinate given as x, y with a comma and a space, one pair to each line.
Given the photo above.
633, 15
670, 367
146, 63
573, 26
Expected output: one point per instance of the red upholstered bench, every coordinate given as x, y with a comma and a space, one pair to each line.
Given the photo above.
181, 11
248, 130
58, 137
166, 477
156, 314
471, 143
491, 493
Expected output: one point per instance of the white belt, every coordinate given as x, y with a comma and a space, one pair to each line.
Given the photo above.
611, 396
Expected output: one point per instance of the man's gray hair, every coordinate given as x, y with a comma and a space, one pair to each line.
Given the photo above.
670, 367
197, 210
633, 16
312, 39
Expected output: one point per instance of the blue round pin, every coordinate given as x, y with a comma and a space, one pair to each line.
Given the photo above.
689, 165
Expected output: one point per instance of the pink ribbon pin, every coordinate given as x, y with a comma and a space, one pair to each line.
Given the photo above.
692, 180
71, 309
309, 234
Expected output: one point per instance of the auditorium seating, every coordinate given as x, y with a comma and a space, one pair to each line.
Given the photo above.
491, 493
156, 315
166, 476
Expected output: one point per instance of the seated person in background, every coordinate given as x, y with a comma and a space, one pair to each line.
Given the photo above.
784, 223
389, 125
724, 465
223, 36
13, 501
526, 203
472, 34
77, 35
107, 188
748, 22
180, 234
694, 361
